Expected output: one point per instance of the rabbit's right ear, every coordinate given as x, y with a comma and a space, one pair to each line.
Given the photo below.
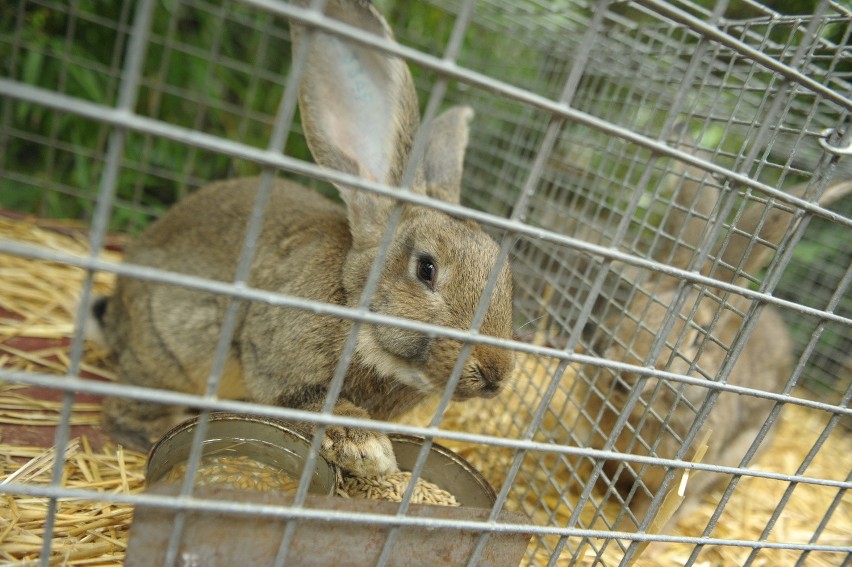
758, 232
443, 162
694, 199
359, 109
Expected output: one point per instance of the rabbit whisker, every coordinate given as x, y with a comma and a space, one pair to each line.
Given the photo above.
517, 330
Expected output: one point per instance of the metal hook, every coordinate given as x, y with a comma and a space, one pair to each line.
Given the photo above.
836, 150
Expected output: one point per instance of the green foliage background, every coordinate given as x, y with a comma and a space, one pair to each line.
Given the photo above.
54, 159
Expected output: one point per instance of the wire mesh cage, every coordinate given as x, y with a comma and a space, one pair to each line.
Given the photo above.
668, 182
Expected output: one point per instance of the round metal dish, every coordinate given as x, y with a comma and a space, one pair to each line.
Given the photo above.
269, 441
446, 469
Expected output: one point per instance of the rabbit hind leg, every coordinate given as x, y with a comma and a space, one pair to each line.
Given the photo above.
136, 424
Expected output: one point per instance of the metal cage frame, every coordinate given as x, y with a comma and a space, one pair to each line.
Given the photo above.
540, 175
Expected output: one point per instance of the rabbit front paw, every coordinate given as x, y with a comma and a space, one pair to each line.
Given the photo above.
360, 452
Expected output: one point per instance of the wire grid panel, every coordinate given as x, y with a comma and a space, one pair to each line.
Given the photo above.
635, 158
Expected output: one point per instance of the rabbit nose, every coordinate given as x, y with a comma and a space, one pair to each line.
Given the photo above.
491, 379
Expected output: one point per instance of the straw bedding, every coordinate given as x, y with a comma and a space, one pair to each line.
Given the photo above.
38, 301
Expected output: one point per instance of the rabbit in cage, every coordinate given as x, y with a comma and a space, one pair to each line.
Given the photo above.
360, 114
698, 333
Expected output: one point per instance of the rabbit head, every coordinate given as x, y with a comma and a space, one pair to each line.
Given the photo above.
438, 277
360, 114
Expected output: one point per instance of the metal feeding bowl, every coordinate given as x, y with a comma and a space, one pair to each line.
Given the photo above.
220, 538
240, 451
446, 469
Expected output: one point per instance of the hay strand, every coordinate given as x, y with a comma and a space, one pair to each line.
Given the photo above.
40, 464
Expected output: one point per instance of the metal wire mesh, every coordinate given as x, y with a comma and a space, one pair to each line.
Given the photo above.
599, 129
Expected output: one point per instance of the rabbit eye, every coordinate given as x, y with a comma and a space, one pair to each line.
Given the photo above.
426, 270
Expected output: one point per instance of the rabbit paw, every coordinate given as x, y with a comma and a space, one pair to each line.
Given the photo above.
360, 452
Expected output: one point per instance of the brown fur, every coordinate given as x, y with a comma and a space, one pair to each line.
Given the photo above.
764, 363
164, 336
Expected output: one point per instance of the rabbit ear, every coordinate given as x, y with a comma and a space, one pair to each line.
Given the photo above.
766, 228
358, 105
686, 223
444, 158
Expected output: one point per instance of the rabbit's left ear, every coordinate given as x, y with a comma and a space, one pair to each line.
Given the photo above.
359, 111
443, 162
359, 107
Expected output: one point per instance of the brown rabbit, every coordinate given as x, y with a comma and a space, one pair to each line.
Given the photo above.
696, 345
360, 113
